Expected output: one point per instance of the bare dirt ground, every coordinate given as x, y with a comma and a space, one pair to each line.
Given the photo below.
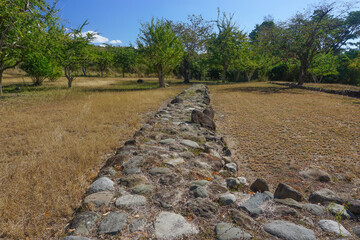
277, 131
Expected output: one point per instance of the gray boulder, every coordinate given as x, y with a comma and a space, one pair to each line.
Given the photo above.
169, 225
289, 231
324, 195
252, 205
259, 185
113, 223
334, 227
83, 223
225, 231
285, 191
101, 184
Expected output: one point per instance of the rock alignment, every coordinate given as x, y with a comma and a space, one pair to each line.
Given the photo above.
176, 179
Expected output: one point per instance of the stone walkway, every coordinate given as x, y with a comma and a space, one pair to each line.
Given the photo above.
176, 180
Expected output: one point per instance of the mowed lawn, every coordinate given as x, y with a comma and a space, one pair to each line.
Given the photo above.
53, 142
275, 132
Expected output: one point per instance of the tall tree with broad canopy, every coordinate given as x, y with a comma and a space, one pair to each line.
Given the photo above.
193, 35
103, 58
161, 46
320, 30
21, 23
124, 57
72, 46
226, 46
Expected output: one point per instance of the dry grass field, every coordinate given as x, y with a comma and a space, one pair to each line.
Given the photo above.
54, 141
277, 131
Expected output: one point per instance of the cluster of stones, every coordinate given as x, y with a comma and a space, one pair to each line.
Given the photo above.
347, 92
176, 179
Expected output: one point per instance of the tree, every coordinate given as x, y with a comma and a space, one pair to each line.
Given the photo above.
318, 31
21, 23
160, 45
323, 65
124, 57
38, 67
86, 58
226, 46
103, 59
193, 35
72, 44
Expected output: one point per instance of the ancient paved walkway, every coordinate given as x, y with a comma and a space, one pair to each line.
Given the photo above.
176, 180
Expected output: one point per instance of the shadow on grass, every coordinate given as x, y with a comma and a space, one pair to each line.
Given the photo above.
263, 90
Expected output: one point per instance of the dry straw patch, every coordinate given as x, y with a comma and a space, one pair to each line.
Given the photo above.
278, 131
52, 146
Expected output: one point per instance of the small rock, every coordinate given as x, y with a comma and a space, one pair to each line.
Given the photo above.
131, 142
174, 162
186, 155
83, 223
227, 199
133, 162
101, 184
314, 209
243, 181
259, 185
356, 230
190, 143
202, 119
143, 189
289, 231
231, 167
324, 195
107, 172
99, 198
217, 188
225, 231
130, 201
137, 224
159, 171
242, 219
337, 209
113, 223
335, 227
227, 152
169, 225
285, 211
132, 180
198, 191
289, 202
74, 238
177, 100
252, 205
168, 141
209, 111
233, 183
354, 207
203, 208
129, 171
316, 174
200, 182
285, 191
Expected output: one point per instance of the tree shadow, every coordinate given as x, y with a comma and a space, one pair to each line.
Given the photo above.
28, 87
262, 90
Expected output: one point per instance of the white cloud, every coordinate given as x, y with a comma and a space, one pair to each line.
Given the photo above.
102, 45
114, 42
96, 37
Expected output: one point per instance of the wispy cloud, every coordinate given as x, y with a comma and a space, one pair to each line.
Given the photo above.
114, 42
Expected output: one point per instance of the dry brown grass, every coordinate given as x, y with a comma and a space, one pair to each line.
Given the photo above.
278, 131
332, 86
52, 146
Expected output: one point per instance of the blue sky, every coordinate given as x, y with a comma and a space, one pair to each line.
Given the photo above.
119, 20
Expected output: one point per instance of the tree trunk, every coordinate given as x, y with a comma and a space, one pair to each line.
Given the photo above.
70, 83
223, 76
237, 76
302, 75
84, 71
249, 75
1, 77
161, 79
68, 76
102, 73
123, 72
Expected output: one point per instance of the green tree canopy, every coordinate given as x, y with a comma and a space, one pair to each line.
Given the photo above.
160, 46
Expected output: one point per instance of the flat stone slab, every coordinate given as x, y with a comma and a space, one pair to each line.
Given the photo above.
227, 199
130, 201
169, 225
167, 141
137, 224
190, 143
336, 209
200, 182
113, 223
143, 189
101, 184
225, 231
289, 231
334, 227
324, 195
159, 171
314, 209
285, 191
99, 198
174, 162
252, 205
289, 202
83, 223
316, 174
